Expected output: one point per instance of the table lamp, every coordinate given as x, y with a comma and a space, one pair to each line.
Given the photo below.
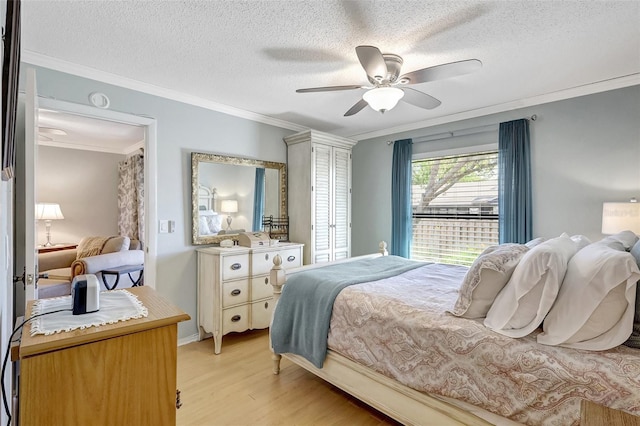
229, 206
48, 212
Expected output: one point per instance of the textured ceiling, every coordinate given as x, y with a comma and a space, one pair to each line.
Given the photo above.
252, 55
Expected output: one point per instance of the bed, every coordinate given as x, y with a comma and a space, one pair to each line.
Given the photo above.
209, 221
395, 344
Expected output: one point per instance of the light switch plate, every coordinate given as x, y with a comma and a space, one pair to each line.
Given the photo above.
164, 227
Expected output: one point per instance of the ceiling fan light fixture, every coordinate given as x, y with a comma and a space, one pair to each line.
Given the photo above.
383, 98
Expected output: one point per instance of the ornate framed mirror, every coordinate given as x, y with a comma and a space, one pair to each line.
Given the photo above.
231, 195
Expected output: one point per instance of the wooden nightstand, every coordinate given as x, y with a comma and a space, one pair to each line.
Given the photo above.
113, 374
592, 414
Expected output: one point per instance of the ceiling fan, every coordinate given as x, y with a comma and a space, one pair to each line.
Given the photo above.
383, 72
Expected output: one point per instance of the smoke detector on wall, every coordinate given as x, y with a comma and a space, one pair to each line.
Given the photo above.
99, 100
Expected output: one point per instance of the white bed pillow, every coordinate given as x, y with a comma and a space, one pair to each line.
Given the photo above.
534, 242
485, 278
203, 226
213, 220
526, 299
621, 241
595, 306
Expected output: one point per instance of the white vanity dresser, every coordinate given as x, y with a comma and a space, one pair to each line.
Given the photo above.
234, 292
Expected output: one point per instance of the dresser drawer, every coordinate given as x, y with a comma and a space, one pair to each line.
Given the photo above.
235, 319
263, 262
235, 292
236, 266
261, 287
261, 313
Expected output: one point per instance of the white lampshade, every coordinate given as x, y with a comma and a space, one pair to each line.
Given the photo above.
383, 98
48, 211
229, 206
617, 217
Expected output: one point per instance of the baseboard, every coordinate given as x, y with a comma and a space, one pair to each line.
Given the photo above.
188, 339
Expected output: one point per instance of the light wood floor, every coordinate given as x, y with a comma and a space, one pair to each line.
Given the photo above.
238, 388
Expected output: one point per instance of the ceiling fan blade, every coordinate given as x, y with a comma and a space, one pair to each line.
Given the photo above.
327, 89
372, 61
419, 99
356, 108
438, 72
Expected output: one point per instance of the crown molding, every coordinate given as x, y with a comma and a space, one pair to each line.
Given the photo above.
574, 92
41, 60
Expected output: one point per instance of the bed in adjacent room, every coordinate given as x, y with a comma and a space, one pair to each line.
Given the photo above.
443, 344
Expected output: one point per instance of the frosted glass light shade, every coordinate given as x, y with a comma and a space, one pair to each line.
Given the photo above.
229, 206
383, 98
618, 217
48, 211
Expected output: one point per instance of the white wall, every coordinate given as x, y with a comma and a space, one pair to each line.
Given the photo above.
585, 151
85, 184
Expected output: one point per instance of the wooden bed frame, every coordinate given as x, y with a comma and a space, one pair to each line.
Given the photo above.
396, 400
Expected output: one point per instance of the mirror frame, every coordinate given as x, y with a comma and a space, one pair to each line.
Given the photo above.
200, 157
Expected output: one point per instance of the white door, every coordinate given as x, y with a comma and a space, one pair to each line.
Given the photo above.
322, 205
341, 198
31, 154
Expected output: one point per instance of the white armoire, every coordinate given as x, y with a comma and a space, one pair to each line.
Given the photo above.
319, 194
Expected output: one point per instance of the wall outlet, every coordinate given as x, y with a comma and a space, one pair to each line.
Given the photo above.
164, 227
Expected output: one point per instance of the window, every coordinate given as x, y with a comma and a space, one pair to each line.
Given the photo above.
455, 207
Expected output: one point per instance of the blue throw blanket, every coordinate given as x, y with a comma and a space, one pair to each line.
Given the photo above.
302, 317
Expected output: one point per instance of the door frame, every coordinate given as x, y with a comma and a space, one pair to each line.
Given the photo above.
150, 169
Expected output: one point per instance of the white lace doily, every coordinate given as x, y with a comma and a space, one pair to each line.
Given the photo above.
115, 306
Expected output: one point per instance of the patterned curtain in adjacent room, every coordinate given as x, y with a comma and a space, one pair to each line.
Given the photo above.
401, 226
514, 182
258, 199
131, 197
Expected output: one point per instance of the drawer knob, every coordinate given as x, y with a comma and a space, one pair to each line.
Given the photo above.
266, 256
291, 258
266, 305
236, 318
236, 266
236, 292
266, 280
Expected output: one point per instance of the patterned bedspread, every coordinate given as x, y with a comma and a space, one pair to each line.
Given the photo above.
399, 327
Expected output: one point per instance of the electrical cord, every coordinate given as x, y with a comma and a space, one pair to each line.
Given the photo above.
6, 358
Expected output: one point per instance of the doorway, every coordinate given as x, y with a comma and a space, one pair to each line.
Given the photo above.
148, 145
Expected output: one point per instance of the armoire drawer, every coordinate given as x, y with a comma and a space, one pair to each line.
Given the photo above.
235, 319
235, 292
236, 266
261, 314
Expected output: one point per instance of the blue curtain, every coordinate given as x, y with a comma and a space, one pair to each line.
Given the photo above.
258, 200
514, 184
401, 224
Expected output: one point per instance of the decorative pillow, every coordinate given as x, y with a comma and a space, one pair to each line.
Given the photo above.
526, 299
581, 241
93, 246
634, 339
115, 244
486, 277
594, 308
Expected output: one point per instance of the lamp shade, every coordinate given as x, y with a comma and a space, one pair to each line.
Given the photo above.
48, 211
617, 217
383, 98
229, 206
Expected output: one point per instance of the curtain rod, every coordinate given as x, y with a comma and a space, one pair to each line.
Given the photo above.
462, 132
